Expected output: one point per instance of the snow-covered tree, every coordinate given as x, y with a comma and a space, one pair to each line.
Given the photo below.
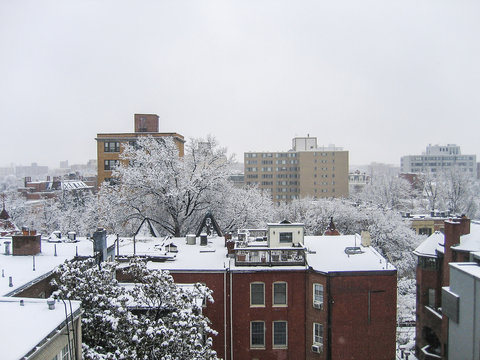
457, 191
244, 208
390, 234
151, 319
155, 182
388, 191
431, 190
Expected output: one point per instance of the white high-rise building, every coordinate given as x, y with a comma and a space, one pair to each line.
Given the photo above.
438, 158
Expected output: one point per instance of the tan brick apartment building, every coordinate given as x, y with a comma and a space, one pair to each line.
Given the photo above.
109, 146
305, 171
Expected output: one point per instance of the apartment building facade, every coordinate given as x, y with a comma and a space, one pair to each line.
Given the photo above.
279, 294
439, 158
305, 171
460, 240
110, 145
460, 301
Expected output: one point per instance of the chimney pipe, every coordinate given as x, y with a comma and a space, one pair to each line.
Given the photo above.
51, 304
7, 247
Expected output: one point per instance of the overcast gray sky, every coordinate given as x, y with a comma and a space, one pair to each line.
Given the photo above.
380, 78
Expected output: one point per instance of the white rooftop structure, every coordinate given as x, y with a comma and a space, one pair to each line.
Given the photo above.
26, 328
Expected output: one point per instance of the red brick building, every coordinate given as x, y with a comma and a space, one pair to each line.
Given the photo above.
280, 295
461, 238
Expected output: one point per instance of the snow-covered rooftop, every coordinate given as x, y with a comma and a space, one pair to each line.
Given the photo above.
25, 327
330, 255
435, 243
20, 268
213, 256
430, 245
470, 242
324, 254
468, 267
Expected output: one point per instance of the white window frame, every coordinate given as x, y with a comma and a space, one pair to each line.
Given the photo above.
251, 293
257, 346
317, 339
315, 297
280, 346
286, 294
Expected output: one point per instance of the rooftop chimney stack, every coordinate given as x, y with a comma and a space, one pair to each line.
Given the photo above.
100, 243
146, 123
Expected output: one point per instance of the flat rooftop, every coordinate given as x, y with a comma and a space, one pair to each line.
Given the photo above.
323, 254
25, 327
20, 268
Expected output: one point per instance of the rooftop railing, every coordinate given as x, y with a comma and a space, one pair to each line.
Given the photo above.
269, 257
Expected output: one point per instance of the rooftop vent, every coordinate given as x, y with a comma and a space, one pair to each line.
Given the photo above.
7, 247
51, 304
191, 239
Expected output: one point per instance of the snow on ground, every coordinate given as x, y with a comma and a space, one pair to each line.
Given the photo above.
406, 333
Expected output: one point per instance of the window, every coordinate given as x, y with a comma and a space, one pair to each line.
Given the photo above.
279, 334
110, 164
280, 293
111, 146
257, 294
286, 237
65, 353
317, 333
317, 295
257, 334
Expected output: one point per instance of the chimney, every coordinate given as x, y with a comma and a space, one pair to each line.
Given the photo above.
146, 123
100, 243
453, 231
228, 236
366, 240
27, 244
465, 225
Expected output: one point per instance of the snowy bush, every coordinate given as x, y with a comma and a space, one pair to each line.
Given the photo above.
152, 319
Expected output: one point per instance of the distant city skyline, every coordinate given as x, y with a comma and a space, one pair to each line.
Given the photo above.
381, 79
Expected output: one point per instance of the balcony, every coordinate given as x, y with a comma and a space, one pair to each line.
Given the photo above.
264, 256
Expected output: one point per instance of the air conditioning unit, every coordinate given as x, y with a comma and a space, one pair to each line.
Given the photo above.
318, 305
317, 348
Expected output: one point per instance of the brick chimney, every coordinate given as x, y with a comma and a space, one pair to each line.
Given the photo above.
27, 244
465, 225
453, 230
146, 123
